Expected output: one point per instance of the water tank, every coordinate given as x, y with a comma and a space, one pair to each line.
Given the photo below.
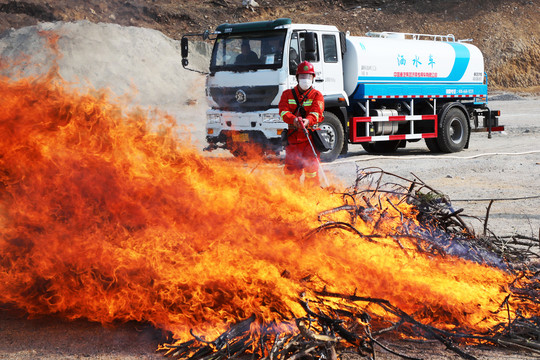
378, 66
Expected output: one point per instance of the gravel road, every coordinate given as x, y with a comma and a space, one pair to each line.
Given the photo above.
506, 166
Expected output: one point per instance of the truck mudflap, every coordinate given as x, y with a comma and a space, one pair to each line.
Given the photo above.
490, 121
390, 128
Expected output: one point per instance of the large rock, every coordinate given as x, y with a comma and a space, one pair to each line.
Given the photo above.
123, 59
141, 63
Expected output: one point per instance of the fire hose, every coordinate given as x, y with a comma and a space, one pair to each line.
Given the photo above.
301, 121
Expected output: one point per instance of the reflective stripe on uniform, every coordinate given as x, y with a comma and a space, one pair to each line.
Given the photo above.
316, 114
308, 102
292, 102
310, 174
283, 113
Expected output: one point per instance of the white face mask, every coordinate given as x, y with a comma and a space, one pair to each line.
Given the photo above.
305, 83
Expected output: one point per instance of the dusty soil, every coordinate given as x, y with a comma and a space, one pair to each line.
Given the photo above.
51, 338
506, 31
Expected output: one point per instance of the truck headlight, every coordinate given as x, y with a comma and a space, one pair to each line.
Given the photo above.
271, 118
213, 119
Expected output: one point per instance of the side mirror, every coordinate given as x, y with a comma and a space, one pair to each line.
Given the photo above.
310, 42
310, 56
206, 35
310, 46
343, 42
184, 46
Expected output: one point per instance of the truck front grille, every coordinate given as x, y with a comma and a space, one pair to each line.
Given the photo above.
244, 99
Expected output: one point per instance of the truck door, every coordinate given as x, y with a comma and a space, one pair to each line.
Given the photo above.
297, 54
332, 71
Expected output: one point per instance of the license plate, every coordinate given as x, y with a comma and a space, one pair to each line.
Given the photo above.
240, 137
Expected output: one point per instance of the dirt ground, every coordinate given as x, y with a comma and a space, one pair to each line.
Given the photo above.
50, 338
504, 167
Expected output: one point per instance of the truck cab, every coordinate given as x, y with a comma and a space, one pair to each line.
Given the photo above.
252, 64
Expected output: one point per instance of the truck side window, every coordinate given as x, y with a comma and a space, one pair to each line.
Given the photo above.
294, 54
297, 51
329, 48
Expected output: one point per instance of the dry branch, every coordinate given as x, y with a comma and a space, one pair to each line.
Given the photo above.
328, 329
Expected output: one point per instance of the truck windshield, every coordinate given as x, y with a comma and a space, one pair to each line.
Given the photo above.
248, 51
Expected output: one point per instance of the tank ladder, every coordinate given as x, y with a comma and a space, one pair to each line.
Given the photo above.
413, 36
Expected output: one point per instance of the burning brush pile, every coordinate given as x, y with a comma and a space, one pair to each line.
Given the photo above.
107, 215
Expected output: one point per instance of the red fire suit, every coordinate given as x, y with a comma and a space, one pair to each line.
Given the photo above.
299, 155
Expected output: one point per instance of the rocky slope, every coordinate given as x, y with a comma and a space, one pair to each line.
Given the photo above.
506, 31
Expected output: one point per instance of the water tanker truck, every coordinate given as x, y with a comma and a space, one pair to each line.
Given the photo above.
381, 90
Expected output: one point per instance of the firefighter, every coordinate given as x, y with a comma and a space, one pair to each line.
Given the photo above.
302, 105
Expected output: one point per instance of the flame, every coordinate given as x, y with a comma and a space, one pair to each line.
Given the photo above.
108, 215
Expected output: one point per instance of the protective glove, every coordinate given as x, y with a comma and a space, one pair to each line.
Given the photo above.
299, 121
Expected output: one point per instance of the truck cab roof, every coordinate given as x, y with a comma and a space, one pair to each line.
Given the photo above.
281, 23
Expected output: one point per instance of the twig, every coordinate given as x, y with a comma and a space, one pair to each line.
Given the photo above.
336, 320
487, 216
390, 350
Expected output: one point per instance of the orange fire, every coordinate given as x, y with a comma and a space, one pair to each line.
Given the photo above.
108, 215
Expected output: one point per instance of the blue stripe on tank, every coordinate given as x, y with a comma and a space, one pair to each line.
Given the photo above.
463, 56
363, 91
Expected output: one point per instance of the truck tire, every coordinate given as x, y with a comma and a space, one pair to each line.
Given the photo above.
334, 129
454, 131
381, 147
369, 147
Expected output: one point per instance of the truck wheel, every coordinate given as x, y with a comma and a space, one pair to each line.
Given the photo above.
334, 129
369, 147
454, 131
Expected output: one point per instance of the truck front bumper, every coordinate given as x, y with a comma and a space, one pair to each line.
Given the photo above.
227, 129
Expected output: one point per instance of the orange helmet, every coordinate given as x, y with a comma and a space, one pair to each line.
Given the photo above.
305, 67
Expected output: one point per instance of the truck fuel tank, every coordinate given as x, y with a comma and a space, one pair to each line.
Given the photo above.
384, 127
